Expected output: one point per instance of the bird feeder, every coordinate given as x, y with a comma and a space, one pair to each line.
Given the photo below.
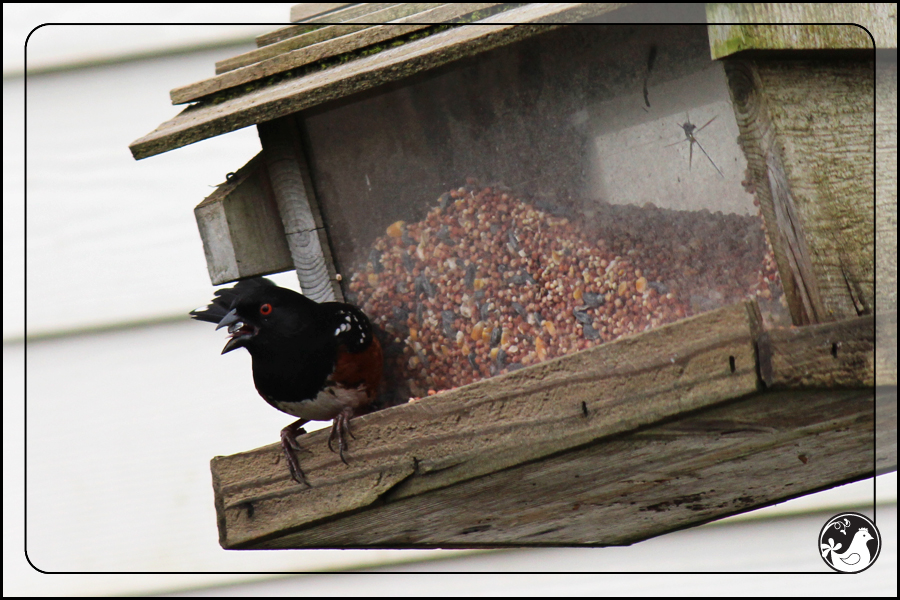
625, 273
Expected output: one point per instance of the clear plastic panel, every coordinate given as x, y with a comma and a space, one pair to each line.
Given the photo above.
539, 199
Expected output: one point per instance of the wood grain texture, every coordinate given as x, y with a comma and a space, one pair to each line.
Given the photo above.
270, 102
499, 423
743, 32
886, 221
621, 490
240, 227
807, 129
823, 356
886, 349
300, 216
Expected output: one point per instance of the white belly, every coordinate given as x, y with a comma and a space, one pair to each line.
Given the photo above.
326, 405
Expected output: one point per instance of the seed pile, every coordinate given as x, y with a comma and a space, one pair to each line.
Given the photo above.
487, 283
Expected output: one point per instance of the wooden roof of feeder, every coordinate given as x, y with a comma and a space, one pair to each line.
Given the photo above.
299, 67
687, 423
367, 45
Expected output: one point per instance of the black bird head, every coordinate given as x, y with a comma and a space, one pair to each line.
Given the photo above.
260, 315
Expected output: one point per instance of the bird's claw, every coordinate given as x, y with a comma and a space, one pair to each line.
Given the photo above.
289, 445
338, 428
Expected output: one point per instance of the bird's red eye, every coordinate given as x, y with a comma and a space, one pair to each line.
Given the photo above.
265, 309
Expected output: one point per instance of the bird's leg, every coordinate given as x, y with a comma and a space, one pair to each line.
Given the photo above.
289, 445
340, 425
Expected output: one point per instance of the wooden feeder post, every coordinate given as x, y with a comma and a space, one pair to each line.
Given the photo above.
807, 130
300, 215
686, 423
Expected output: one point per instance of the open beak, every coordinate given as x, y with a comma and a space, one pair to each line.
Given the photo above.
239, 331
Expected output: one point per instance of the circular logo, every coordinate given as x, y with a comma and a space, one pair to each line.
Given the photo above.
849, 542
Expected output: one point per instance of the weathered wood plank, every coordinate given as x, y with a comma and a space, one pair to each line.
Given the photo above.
886, 349
304, 39
269, 102
308, 52
300, 216
718, 462
498, 423
742, 31
352, 11
338, 16
808, 135
308, 10
240, 227
886, 222
824, 356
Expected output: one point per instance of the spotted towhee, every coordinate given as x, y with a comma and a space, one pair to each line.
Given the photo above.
313, 361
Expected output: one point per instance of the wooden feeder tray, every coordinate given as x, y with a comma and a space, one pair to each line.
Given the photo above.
671, 428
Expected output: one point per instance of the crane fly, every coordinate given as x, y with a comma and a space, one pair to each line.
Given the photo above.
690, 131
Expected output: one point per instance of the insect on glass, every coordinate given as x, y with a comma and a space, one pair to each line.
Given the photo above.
690, 131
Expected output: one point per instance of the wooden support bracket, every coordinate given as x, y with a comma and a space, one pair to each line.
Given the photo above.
663, 430
265, 219
240, 227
